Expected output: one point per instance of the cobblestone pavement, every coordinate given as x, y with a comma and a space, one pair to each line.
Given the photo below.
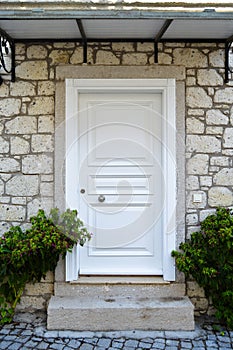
29, 332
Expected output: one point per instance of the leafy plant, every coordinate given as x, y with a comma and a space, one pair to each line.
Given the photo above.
26, 256
208, 258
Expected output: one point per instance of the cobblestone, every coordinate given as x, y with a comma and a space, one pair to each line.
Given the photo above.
34, 335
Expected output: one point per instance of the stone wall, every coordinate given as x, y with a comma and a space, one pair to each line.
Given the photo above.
27, 128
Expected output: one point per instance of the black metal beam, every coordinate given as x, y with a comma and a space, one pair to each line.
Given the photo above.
84, 39
163, 30
123, 40
159, 36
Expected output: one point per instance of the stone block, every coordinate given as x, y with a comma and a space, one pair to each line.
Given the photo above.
219, 161
134, 59
214, 130
203, 144
4, 145
30, 303
46, 178
12, 213
224, 95
32, 70
200, 304
20, 49
37, 51
46, 189
224, 177
22, 88
9, 165
59, 57
198, 164
37, 164
39, 289
1, 128
190, 58
216, 117
4, 90
4, 227
177, 44
231, 116
77, 56
194, 290
19, 200
46, 124
192, 219
196, 112
206, 181
49, 278
1, 187
41, 105
211, 91
23, 185
205, 213
64, 45
10, 107
21, 125
46, 88
39, 203
228, 138
42, 143
195, 126
19, 145
106, 57
192, 183
209, 77
198, 98
190, 81
216, 58
129, 47
220, 196
227, 152
163, 58
194, 205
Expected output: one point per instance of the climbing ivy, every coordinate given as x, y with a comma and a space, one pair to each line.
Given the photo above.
26, 256
208, 258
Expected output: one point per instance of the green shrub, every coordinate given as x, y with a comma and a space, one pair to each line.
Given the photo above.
26, 256
208, 258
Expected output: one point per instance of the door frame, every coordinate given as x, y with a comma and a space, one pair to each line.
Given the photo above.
167, 88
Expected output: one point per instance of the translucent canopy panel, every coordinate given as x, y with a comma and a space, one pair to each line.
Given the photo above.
37, 29
110, 29
199, 29
114, 28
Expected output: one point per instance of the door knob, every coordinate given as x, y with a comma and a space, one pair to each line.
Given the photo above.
101, 198
82, 190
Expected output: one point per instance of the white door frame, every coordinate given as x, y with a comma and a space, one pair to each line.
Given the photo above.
165, 86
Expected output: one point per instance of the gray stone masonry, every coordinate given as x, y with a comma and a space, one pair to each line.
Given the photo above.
27, 129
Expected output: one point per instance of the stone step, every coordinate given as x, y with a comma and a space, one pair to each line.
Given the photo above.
111, 287
120, 313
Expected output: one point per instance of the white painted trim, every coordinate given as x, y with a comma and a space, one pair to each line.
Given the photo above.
71, 163
169, 168
167, 87
72, 265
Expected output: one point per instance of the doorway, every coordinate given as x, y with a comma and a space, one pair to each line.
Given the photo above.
121, 173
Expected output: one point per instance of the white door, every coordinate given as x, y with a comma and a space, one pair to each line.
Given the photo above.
120, 184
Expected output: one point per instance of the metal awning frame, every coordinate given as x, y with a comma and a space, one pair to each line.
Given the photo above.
7, 46
7, 42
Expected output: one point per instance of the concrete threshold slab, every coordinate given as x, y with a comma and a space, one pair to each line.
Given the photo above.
144, 280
